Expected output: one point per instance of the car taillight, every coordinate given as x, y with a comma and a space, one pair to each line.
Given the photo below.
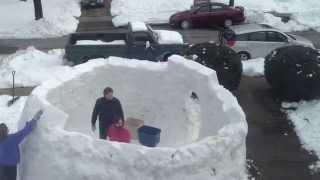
231, 43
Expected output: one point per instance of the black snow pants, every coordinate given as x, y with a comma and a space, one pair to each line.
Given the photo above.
8, 172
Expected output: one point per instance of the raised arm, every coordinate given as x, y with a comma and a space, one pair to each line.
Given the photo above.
30, 125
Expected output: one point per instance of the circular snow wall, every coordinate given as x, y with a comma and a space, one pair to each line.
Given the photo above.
201, 138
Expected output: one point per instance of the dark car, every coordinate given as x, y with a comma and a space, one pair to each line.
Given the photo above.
208, 15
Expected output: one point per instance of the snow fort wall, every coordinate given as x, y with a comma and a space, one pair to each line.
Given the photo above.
201, 138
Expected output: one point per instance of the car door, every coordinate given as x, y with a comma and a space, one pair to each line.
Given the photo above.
257, 44
275, 40
201, 16
217, 15
139, 48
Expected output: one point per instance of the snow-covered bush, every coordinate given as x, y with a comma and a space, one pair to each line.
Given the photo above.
222, 59
294, 73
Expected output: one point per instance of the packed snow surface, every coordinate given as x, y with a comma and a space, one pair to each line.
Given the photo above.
304, 12
253, 67
201, 138
306, 120
11, 115
99, 42
32, 67
17, 18
138, 26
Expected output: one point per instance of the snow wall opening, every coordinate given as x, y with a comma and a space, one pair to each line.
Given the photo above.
203, 127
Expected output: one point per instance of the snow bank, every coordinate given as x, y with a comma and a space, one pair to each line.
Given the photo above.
151, 11
200, 139
304, 13
253, 67
11, 115
306, 120
32, 67
17, 18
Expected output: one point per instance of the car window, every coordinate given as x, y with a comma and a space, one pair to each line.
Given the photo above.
242, 37
141, 38
273, 36
204, 9
257, 36
216, 8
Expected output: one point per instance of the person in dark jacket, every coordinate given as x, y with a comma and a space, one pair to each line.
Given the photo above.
107, 108
9, 147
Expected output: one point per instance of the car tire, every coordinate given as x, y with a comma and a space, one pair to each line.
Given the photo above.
228, 23
244, 56
185, 24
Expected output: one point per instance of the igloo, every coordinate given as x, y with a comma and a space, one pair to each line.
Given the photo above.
202, 138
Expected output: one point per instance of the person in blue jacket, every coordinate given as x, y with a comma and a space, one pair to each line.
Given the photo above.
9, 147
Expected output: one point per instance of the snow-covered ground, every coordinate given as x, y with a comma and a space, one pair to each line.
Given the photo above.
305, 12
17, 18
253, 67
99, 42
32, 67
11, 115
306, 120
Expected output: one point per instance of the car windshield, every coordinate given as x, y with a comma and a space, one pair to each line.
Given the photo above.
291, 36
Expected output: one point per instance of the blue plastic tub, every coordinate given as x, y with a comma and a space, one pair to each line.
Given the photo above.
149, 136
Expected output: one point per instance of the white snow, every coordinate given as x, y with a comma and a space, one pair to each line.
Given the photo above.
169, 37
138, 26
253, 67
304, 12
99, 42
200, 139
17, 18
32, 67
306, 119
150, 11
11, 115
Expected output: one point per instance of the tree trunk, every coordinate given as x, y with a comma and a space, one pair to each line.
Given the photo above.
38, 9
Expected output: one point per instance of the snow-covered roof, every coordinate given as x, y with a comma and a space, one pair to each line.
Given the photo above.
138, 26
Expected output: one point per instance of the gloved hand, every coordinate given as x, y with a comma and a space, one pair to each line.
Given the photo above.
38, 115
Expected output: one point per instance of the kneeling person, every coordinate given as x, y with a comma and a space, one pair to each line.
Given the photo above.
117, 131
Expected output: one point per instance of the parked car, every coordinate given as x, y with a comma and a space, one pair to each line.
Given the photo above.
258, 40
92, 3
208, 15
139, 42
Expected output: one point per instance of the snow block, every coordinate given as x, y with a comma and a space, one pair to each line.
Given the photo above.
201, 138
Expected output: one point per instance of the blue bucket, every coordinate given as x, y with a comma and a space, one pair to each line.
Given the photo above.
149, 136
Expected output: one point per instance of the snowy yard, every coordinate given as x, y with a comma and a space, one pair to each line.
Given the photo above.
306, 120
305, 12
59, 18
253, 67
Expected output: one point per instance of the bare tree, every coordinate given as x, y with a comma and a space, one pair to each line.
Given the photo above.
38, 9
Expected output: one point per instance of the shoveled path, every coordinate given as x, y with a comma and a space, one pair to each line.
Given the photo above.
272, 142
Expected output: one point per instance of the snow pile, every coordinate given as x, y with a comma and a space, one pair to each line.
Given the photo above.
253, 67
99, 42
306, 119
169, 37
150, 11
138, 26
32, 67
200, 139
11, 115
59, 18
304, 13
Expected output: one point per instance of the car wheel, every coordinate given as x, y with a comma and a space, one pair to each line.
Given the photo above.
228, 23
244, 56
185, 24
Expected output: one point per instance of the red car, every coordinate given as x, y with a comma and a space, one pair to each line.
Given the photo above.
208, 15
